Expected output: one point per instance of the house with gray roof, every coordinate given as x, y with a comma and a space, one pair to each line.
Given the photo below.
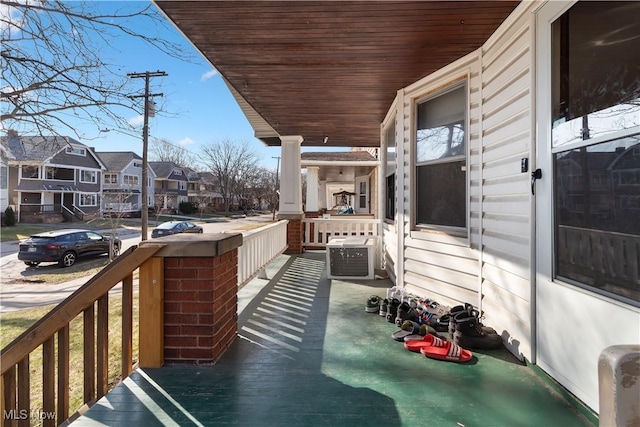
52, 178
170, 185
122, 184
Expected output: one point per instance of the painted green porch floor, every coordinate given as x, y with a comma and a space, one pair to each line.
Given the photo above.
308, 355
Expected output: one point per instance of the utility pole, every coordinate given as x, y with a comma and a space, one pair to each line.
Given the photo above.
144, 210
277, 185
277, 172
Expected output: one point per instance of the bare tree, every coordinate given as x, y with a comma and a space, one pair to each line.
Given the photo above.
55, 68
115, 206
231, 163
162, 150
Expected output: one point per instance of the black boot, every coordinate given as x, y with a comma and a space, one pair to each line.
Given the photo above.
469, 333
460, 312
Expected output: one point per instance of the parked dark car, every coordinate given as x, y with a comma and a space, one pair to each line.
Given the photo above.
175, 227
65, 246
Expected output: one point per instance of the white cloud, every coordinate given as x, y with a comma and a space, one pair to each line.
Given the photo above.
208, 75
136, 120
185, 141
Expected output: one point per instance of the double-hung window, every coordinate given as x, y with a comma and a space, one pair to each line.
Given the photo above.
88, 200
110, 178
441, 159
131, 180
88, 176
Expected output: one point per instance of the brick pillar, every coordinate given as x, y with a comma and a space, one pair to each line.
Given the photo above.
200, 307
294, 236
295, 230
200, 296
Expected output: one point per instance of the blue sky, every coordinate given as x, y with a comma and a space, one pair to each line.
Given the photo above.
202, 108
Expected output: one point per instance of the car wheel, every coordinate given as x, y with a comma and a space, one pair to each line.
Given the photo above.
200, 231
31, 263
68, 259
116, 250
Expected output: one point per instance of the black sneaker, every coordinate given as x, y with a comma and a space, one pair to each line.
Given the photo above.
392, 310
373, 304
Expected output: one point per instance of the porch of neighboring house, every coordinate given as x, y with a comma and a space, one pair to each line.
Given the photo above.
307, 353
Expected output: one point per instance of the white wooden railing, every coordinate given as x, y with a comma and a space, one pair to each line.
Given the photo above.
118, 207
259, 248
318, 231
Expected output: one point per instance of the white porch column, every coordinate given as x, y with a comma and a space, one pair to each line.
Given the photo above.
312, 189
291, 181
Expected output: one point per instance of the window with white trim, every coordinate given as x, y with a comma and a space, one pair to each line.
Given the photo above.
76, 151
59, 174
30, 172
131, 180
441, 159
88, 176
88, 200
110, 178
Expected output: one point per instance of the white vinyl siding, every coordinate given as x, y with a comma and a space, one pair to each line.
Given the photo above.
437, 264
448, 266
505, 221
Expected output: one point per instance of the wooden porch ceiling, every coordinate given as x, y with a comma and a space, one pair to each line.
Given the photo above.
329, 68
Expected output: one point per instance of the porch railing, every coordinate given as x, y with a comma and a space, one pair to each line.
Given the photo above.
52, 332
318, 231
79, 213
609, 259
259, 248
67, 213
118, 207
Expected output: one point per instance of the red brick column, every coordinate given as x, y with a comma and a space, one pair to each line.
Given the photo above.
200, 307
200, 296
294, 236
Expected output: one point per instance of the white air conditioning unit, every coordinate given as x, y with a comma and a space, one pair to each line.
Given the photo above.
351, 258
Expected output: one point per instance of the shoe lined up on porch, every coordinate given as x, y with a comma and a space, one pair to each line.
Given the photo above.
421, 320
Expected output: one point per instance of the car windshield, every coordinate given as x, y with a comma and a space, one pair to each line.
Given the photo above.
167, 225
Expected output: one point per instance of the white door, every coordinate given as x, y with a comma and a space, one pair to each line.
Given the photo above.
362, 194
588, 196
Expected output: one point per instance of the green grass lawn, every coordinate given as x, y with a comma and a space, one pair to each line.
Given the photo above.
14, 323
19, 232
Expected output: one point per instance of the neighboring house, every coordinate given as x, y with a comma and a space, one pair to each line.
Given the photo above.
483, 101
205, 190
122, 184
53, 178
170, 185
193, 186
5, 156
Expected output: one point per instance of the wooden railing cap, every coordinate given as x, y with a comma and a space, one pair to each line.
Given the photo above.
196, 245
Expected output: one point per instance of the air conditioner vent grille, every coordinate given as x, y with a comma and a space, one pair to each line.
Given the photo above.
350, 258
349, 262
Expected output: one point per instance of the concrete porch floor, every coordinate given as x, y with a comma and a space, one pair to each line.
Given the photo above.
308, 354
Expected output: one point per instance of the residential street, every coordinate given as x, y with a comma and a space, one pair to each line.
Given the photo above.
16, 293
